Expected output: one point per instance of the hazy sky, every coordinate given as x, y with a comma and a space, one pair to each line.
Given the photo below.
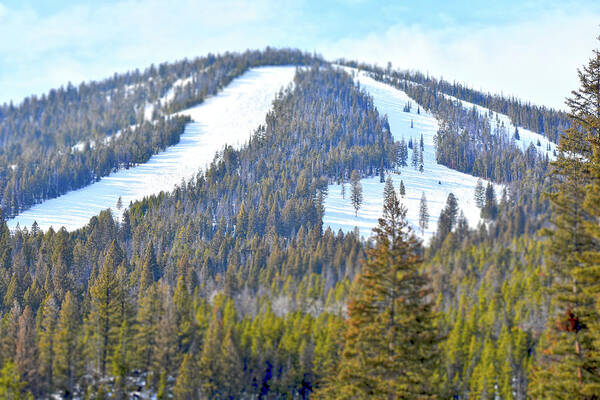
530, 49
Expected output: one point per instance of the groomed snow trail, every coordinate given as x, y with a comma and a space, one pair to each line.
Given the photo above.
226, 118
436, 181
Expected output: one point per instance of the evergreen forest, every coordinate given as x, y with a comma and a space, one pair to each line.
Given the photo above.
231, 287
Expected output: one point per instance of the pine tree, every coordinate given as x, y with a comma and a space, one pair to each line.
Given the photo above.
46, 345
402, 153
184, 317
25, 353
415, 157
162, 393
150, 270
568, 360
402, 189
120, 361
356, 195
230, 366
68, 349
484, 381
209, 358
451, 209
11, 385
106, 308
490, 207
186, 385
422, 144
164, 353
388, 189
241, 222
423, 214
447, 219
586, 107
479, 194
343, 189
147, 318
390, 346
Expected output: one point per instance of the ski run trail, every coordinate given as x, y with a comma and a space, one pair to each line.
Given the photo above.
436, 181
226, 118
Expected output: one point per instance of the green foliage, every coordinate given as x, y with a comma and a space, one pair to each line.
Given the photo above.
356, 196
11, 386
390, 348
228, 286
72, 136
569, 356
67, 361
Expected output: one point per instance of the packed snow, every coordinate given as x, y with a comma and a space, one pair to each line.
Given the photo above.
436, 181
148, 111
226, 118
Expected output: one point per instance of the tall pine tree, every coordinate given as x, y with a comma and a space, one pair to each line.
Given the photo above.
391, 342
106, 313
67, 361
568, 363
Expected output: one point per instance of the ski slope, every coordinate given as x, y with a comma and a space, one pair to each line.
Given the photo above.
226, 118
436, 181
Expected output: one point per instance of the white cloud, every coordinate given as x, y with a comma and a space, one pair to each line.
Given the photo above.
85, 42
534, 60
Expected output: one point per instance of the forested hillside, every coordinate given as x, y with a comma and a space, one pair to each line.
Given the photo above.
141, 291
73, 136
230, 287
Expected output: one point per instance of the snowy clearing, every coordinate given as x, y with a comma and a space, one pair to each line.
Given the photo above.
227, 118
436, 181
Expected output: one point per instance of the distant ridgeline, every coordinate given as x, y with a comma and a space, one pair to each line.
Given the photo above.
73, 136
541, 119
466, 141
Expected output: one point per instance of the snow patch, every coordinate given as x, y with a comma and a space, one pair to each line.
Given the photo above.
179, 83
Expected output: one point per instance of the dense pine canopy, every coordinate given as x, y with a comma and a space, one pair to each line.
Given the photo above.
229, 286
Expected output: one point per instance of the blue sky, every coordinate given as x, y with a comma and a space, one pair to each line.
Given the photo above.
530, 49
